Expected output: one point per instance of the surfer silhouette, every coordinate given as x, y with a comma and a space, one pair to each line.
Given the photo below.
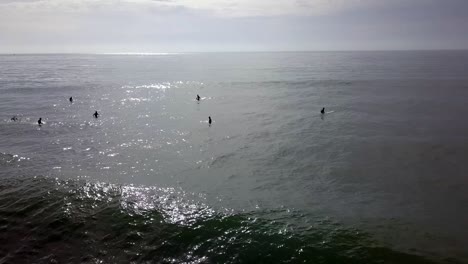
96, 114
39, 122
209, 120
71, 99
198, 97
323, 110
14, 118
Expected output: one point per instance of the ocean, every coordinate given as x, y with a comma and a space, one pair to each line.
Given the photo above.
381, 177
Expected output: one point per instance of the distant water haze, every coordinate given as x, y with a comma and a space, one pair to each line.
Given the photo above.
380, 177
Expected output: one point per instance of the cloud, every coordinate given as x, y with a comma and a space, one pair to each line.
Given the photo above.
210, 25
227, 8
17, 1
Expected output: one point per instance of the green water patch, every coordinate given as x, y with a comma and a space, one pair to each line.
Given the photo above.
46, 220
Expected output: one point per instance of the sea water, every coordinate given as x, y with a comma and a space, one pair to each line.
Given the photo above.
379, 178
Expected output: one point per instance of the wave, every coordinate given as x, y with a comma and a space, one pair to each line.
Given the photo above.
10, 159
47, 220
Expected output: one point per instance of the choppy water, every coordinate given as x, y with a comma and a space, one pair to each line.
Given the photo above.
381, 179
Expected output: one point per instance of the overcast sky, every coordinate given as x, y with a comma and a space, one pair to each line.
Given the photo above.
231, 25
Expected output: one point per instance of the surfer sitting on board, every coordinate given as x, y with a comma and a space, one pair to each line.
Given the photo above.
323, 110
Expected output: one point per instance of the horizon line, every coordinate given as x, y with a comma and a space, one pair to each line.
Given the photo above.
143, 53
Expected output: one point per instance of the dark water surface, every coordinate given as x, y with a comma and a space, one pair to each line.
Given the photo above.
381, 178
